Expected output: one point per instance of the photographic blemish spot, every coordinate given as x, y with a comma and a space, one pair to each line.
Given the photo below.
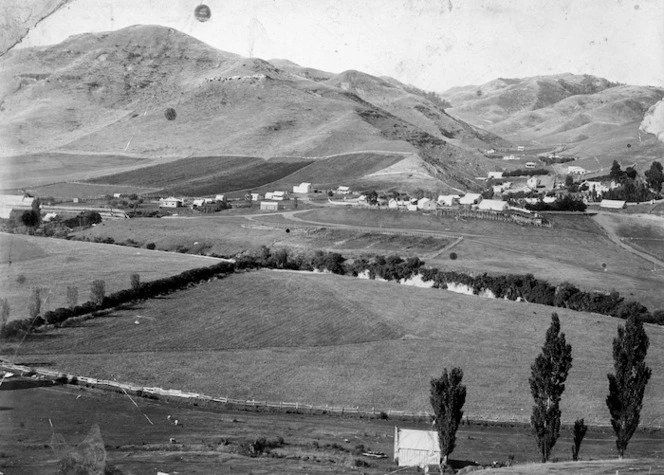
202, 13
170, 113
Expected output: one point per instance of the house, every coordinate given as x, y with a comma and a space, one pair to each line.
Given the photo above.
429, 205
416, 448
343, 190
422, 202
574, 170
411, 207
531, 165
495, 175
199, 202
302, 188
470, 199
492, 205
520, 148
392, 204
276, 195
10, 202
510, 157
117, 195
220, 198
170, 202
255, 196
448, 200
541, 182
613, 204
270, 205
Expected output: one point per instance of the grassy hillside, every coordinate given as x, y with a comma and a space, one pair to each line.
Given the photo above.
592, 117
108, 93
339, 340
27, 262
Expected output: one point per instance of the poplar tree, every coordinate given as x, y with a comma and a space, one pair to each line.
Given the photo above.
547, 383
447, 398
628, 384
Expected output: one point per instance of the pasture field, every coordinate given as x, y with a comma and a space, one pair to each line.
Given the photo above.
69, 190
207, 441
49, 167
208, 175
27, 262
642, 231
230, 235
326, 339
573, 250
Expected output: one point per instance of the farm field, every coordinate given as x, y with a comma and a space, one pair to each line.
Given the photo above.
49, 167
27, 262
208, 442
69, 190
644, 231
208, 175
339, 170
230, 235
573, 250
325, 339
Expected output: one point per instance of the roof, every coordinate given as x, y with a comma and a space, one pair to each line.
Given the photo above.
469, 198
305, 184
492, 205
419, 439
343, 188
615, 204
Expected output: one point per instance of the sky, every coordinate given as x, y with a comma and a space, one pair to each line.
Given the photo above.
432, 44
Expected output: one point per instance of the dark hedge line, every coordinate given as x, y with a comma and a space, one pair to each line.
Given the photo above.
392, 268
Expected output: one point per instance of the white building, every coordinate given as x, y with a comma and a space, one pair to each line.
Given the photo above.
302, 188
276, 195
170, 202
416, 448
495, 174
574, 170
492, 205
612, 204
470, 199
10, 202
270, 206
343, 190
255, 196
422, 202
448, 200
530, 165
220, 198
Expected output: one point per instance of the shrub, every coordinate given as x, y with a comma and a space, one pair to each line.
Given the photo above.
150, 245
453, 256
135, 281
97, 292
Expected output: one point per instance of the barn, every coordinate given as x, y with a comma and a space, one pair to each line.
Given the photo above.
470, 199
416, 448
10, 202
492, 205
613, 204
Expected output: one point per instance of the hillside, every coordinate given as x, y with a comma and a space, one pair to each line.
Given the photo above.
107, 93
588, 116
326, 339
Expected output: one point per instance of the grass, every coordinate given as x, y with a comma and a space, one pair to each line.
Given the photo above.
68, 190
44, 168
573, 250
27, 262
326, 339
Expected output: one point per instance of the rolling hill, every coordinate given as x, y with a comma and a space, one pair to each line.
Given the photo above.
107, 93
589, 116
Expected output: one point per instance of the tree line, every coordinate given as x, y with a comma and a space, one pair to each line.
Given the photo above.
523, 287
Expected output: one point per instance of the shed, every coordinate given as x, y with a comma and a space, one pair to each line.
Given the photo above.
470, 199
416, 448
302, 188
613, 204
270, 206
492, 205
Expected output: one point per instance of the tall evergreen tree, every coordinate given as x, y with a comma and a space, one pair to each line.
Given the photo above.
616, 173
578, 433
547, 383
655, 176
628, 384
447, 398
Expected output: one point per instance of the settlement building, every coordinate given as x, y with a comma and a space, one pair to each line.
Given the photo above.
270, 205
416, 448
613, 204
170, 202
302, 188
343, 190
470, 199
492, 205
10, 202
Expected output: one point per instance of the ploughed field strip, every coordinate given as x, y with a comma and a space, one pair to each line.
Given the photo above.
325, 339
